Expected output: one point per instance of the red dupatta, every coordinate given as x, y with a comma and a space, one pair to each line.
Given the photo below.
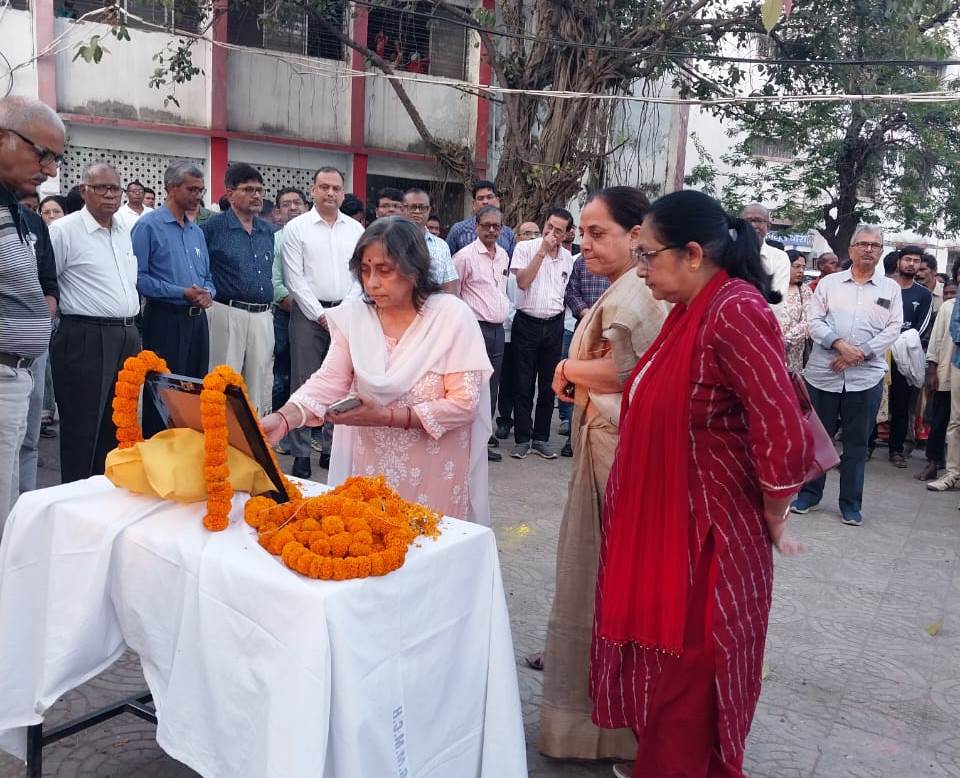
646, 577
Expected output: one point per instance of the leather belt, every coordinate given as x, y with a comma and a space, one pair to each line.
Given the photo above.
122, 321
12, 360
249, 307
330, 303
192, 310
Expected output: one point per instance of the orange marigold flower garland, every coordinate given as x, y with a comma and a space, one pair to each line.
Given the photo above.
359, 529
213, 417
126, 395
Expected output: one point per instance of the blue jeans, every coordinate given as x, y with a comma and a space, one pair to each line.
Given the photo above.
565, 410
854, 413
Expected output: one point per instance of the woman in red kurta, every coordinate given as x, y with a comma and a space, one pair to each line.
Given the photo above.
713, 447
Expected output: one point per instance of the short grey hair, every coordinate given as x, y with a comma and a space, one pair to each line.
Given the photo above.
873, 229
93, 166
761, 206
488, 209
177, 171
22, 114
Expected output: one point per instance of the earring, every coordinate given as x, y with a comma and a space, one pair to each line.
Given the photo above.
694, 268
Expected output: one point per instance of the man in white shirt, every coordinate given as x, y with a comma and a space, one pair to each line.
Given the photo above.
317, 247
542, 267
775, 261
416, 207
97, 273
134, 208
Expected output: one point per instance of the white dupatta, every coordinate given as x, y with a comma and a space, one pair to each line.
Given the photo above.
444, 338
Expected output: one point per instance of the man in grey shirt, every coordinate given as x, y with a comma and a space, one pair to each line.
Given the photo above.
855, 316
31, 146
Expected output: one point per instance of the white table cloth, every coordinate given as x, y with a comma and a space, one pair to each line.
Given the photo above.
255, 670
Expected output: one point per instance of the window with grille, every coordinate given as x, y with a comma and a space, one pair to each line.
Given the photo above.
168, 14
293, 30
419, 38
764, 47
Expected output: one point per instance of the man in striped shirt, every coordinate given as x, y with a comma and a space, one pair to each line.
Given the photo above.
31, 145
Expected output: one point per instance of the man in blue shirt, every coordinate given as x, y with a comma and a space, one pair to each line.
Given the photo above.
241, 247
173, 274
464, 233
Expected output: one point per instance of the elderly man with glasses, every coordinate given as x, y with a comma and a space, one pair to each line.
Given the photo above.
173, 274
134, 208
416, 207
97, 270
32, 140
855, 316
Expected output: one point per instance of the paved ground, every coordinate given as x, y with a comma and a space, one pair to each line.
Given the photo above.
856, 685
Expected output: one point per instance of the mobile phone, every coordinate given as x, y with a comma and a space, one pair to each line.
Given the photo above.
346, 404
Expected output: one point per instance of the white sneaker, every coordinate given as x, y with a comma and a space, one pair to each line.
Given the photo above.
945, 483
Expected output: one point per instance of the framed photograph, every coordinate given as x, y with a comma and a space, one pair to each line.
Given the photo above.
177, 398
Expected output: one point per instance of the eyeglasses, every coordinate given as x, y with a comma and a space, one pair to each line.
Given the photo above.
250, 190
491, 227
529, 234
102, 189
866, 246
197, 190
44, 155
416, 208
645, 256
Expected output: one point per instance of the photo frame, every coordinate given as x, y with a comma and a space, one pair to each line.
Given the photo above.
177, 399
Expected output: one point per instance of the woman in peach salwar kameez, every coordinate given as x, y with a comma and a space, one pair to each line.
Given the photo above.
415, 357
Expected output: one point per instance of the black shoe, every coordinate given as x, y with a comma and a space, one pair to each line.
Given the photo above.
325, 460
301, 467
503, 431
494, 456
567, 450
493, 442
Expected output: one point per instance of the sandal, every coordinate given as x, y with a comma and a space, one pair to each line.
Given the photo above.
535, 661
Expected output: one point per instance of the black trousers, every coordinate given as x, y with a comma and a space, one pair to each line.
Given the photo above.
182, 340
281, 357
85, 358
900, 401
493, 337
508, 384
939, 414
536, 345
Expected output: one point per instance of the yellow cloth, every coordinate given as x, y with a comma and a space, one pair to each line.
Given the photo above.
170, 466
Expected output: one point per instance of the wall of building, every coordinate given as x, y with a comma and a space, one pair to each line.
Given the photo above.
448, 113
17, 45
118, 86
281, 94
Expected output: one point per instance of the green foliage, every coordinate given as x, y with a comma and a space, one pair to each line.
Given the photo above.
898, 161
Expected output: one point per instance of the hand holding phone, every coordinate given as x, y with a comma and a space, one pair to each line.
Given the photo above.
346, 404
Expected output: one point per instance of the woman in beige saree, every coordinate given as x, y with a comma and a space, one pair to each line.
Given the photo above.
606, 347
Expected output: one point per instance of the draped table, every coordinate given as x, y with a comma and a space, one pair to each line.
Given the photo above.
254, 670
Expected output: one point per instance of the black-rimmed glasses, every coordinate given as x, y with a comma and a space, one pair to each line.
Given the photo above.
44, 155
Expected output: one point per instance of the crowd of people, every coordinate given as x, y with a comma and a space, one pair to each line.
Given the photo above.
668, 335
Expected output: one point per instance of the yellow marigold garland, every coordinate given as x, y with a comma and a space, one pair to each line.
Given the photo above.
126, 395
359, 529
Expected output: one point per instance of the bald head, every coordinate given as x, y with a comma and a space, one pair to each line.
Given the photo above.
32, 138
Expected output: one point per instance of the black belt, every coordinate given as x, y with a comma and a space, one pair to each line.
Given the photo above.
12, 360
330, 303
537, 318
489, 323
248, 307
183, 310
123, 321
